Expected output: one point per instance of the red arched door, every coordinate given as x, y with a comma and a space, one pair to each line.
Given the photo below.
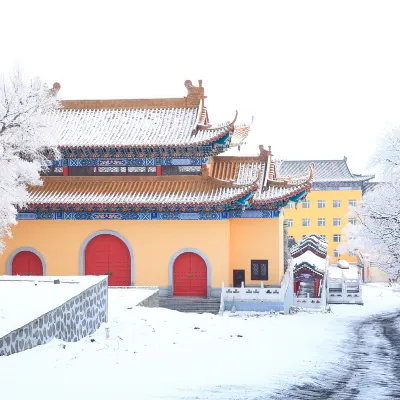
190, 275
109, 255
27, 263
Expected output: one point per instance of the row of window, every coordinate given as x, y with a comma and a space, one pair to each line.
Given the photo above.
322, 203
320, 222
118, 171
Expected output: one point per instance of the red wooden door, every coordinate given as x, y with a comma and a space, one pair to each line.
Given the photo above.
109, 255
190, 275
27, 263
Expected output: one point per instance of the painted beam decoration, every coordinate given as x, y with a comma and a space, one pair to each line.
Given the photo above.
147, 215
128, 162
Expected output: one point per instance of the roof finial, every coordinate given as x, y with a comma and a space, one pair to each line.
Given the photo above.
55, 89
345, 158
194, 93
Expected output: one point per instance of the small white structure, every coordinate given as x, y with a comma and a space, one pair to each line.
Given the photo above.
371, 272
344, 285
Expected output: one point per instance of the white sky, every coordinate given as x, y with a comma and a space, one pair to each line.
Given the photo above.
322, 78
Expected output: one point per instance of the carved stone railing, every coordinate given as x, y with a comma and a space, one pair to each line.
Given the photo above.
254, 293
308, 302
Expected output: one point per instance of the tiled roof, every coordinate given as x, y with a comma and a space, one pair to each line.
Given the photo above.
140, 191
311, 250
133, 127
313, 243
141, 123
243, 170
325, 170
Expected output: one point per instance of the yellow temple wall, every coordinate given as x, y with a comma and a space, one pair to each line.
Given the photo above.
228, 245
153, 242
257, 239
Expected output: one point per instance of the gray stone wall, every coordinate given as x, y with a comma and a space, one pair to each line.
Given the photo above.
70, 322
151, 301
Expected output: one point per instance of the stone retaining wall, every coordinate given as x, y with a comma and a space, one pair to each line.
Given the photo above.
76, 318
151, 301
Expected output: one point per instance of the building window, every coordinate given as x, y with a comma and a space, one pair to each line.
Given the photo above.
289, 205
53, 171
336, 222
181, 170
306, 203
306, 222
289, 223
336, 253
336, 238
352, 221
321, 203
336, 203
321, 221
352, 203
352, 253
259, 270
323, 236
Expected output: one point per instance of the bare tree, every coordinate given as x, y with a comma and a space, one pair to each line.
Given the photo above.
25, 135
378, 217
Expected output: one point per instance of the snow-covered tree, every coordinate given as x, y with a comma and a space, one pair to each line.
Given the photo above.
378, 217
24, 136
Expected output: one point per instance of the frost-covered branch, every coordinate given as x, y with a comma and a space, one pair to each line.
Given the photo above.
24, 138
378, 229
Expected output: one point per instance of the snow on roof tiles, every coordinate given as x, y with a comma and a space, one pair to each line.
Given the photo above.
165, 127
325, 170
130, 191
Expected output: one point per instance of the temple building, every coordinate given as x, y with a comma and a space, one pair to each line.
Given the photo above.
143, 194
325, 211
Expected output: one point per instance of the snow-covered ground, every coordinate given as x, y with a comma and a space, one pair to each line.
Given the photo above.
153, 353
25, 298
129, 296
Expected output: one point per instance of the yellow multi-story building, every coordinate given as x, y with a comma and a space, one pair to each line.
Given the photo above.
334, 192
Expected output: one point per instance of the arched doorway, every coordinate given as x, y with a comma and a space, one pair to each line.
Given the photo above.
26, 263
106, 254
190, 275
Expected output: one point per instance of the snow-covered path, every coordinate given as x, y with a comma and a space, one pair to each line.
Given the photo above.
163, 354
370, 367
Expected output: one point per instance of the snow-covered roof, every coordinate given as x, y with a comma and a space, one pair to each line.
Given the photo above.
142, 123
310, 258
135, 191
168, 127
314, 243
229, 179
325, 170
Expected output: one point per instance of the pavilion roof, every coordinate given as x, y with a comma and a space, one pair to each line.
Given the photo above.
325, 170
242, 170
142, 123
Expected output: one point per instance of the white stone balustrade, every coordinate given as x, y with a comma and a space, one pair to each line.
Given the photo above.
251, 293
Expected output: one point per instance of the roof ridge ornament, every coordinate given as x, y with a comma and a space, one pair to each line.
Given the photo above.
55, 89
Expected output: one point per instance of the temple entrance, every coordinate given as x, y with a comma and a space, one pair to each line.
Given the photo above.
109, 255
190, 275
27, 263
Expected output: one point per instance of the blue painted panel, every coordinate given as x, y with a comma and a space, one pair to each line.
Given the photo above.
58, 215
